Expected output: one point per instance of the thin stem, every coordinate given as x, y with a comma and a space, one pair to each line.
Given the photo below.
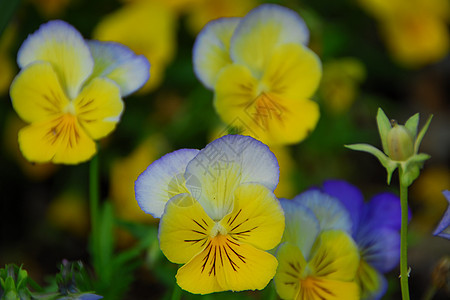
94, 198
176, 295
403, 239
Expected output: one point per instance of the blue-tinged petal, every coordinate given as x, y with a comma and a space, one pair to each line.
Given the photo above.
261, 31
349, 195
384, 210
443, 228
63, 46
380, 247
164, 179
302, 226
226, 163
119, 63
211, 49
328, 210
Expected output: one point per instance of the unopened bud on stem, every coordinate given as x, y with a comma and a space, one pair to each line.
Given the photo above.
400, 142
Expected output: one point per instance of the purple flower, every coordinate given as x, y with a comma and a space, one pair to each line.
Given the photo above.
376, 226
443, 228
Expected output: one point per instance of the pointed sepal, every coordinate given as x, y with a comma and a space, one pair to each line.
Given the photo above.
384, 126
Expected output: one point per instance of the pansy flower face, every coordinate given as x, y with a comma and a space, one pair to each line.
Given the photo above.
376, 226
262, 74
317, 258
218, 213
70, 90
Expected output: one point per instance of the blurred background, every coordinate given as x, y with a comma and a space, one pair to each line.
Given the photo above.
392, 54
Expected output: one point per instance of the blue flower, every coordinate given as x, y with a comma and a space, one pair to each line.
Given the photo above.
443, 228
376, 226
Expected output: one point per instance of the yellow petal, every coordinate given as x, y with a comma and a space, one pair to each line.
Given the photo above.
370, 282
211, 49
60, 140
63, 46
227, 265
257, 218
293, 72
313, 288
334, 256
291, 264
261, 31
98, 107
36, 93
184, 229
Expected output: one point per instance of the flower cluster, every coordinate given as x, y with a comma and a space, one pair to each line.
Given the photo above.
328, 250
262, 74
218, 213
71, 90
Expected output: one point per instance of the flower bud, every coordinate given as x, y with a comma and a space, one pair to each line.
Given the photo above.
400, 143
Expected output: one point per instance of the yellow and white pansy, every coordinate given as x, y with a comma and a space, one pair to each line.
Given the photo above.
218, 213
318, 258
70, 91
262, 74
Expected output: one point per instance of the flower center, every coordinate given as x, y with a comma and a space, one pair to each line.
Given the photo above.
70, 109
217, 231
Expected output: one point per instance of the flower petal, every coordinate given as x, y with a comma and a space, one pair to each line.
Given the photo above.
261, 31
184, 230
36, 93
120, 64
211, 49
257, 218
380, 247
334, 256
63, 46
293, 71
291, 265
330, 213
443, 228
226, 163
350, 196
162, 180
227, 265
384, 210
99, 107
372, 284
60, 140
320, 288
302, 226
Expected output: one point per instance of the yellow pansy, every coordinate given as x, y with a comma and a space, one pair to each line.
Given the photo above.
318, 259
147, 27
262, 74
416, 31
218, 213
70, 91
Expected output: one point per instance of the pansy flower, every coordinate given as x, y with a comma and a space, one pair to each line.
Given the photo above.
262, 74
318, 258
376, 226
218, 213
443, 228
70, 90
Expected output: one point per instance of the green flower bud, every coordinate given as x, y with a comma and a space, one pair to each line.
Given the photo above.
400, 142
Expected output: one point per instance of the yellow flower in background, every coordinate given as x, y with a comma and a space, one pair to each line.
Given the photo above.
262, 74
286, 187
218, 213
204, 11
340, 83
70, 91
123, 175
416, 31
147, 27
69, 212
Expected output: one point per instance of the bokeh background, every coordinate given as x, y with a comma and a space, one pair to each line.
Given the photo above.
392, 54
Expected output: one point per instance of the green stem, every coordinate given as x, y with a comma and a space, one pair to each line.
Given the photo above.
94, 200
403, 239
176, 295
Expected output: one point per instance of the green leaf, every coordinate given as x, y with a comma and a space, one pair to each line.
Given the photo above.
411, 168
389, 164
412, 124
383, 128
421, 134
